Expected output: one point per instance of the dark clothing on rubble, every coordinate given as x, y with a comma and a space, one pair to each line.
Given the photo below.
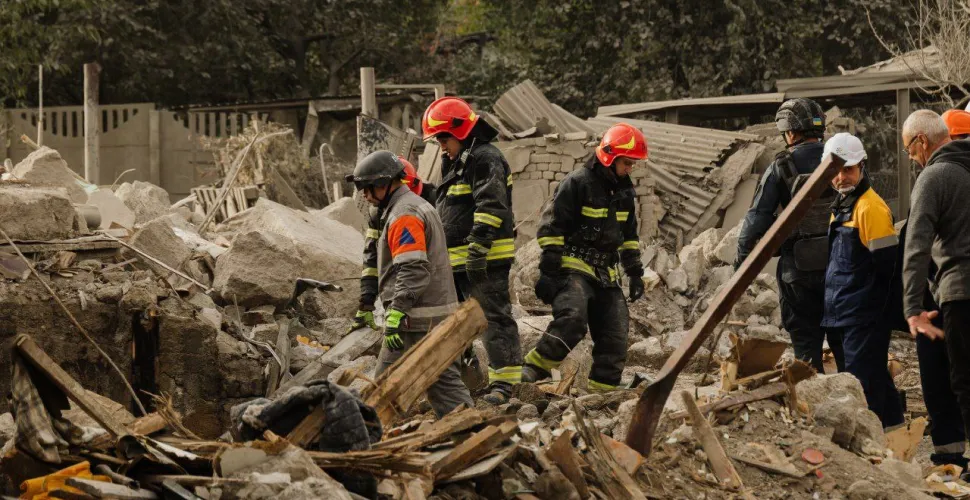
801, 293
474, 201
351, 424
585, 234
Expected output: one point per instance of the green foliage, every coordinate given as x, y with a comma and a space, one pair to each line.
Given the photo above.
582, 53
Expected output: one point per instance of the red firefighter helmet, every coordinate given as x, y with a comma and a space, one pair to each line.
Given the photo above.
411, 177
621, 140
448, 115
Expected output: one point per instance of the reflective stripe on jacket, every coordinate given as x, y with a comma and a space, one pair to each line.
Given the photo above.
592, 217
475, 204
862, 254
412, 262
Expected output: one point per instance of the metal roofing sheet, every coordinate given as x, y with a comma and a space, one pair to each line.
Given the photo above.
625, 109
524, 105
678, 156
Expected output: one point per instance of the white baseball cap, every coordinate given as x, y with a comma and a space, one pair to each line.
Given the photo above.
845, 146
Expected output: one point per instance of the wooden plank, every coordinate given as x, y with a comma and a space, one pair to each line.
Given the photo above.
309, 428
101, 489
610, 473
154, 148
142, 426
562, 453
902, 157
473, 449
652, 400
287, 196
483, 467
74, 391
774, 469
763, 392
349, 348
411, 375
442, 430
68, 246
92, 128
720, 463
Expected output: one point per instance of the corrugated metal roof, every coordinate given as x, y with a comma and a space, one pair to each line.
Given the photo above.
521, 107
626, 109
927, 57
680, 159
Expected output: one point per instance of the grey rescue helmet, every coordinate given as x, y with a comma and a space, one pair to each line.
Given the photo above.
801, 115
376, 169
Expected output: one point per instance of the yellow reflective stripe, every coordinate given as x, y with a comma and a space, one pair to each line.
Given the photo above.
459, 189
577, 265
593, 385
369, 271
372, 234
536, 359
597, 213
622, 216
508, 180
630, 245
489, 219
501, 249
551, 240
508, 374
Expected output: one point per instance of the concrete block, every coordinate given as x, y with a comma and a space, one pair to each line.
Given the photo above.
37, 214
45, 168
344, 211
643, 190
532, 167
541, 158
568, 164
560, 176
518, 158
575, 136
145, 199
576, 149
726, 250
542, 167
548, 175
554, 147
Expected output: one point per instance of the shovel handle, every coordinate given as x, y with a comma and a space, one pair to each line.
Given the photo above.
651, 403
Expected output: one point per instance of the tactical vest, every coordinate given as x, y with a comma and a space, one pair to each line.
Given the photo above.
809, 241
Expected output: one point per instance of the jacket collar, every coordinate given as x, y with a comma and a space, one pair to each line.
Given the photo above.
845, 203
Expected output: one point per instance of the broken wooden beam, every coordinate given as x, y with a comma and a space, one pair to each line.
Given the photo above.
650, 406
562, 453
720, 463
442, 430
142, 426
309, 428
351, 347
608, 470
473, 449
411, 375
39, 359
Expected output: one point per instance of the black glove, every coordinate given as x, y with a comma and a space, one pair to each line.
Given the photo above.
547, 287
476, 265
636, 288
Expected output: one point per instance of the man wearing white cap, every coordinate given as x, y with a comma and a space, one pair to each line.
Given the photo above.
862, 256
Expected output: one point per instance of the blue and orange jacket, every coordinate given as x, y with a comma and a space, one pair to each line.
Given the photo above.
862, 255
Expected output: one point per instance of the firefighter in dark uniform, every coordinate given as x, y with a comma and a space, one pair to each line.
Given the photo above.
475, 205
803, 257
585, 234
368, 278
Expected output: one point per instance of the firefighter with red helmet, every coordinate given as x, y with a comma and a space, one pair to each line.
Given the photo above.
474, 201
368, 278
586, 233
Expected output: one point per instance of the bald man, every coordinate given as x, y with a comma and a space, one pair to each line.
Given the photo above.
937, 234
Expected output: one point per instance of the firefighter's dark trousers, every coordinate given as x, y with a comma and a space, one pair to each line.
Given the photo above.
802, 297
583, 302
866, 349
502, 335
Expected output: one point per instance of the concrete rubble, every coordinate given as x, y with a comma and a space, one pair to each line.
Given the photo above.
208, 320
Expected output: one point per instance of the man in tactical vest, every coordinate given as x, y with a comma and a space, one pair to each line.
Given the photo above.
586, 233
475, 205
414, 279
803, 257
